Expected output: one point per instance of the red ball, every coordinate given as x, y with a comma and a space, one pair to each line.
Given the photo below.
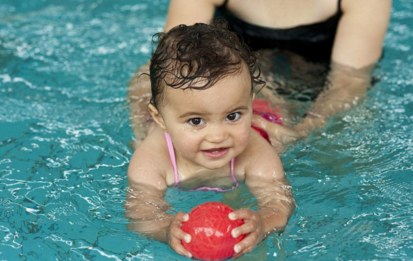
210, 229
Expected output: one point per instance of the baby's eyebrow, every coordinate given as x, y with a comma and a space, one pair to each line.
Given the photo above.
191, 113
240, 108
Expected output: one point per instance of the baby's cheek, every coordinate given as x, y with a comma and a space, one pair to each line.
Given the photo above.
243, 137
189, 143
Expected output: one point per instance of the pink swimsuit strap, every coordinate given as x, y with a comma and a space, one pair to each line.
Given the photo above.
173, 161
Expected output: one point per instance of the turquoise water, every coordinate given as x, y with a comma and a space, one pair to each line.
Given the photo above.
64, 133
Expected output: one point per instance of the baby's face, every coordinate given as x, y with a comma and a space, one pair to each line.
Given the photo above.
210, 127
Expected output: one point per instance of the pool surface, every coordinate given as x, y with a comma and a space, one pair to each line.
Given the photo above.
65, 130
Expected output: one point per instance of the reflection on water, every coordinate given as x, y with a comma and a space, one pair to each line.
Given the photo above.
64, 130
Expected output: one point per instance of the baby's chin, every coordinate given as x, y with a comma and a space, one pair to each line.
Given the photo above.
211, 164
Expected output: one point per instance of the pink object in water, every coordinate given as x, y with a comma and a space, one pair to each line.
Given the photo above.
262, 108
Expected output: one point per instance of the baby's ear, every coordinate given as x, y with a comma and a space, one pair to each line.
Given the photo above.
156, 116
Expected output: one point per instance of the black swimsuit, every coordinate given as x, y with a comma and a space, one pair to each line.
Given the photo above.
313, 41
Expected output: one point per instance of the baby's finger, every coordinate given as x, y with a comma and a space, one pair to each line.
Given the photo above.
241, 214
179, 234
246, 245
181, 217
237, 255
179, 248
176, 230
246, 228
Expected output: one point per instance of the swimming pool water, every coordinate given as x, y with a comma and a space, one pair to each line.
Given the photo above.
64, 134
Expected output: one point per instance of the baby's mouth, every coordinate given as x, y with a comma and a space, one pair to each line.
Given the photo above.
215, 153
215, 150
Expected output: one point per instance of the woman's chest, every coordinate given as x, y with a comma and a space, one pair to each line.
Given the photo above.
283, 13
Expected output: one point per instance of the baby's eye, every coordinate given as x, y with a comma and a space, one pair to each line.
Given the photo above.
233, 116
196, 121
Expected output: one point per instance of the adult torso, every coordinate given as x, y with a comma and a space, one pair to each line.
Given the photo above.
282, 14
305, 27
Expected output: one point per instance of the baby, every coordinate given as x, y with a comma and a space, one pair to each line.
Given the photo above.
202, 84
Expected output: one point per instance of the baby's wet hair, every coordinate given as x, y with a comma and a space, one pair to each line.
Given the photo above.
198, 56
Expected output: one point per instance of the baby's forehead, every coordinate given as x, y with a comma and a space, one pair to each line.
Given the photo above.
181, 77
230, 85
175, 86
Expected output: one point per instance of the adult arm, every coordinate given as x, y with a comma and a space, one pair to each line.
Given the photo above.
357, 47
139, 95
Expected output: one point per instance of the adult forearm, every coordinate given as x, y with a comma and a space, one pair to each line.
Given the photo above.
138, 97
345, 87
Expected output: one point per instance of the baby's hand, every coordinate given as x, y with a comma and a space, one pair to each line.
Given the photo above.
175, 234
253, 226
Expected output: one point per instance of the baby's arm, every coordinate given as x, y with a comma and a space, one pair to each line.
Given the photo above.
145, 206
266, 180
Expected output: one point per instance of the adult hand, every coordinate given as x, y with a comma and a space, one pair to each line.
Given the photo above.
175, 234
278, 134
309, 123
253, 227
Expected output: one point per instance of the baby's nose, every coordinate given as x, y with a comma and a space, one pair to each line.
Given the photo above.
216, 133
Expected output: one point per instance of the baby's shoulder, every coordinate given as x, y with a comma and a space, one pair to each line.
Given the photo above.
259, 153
151, 159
